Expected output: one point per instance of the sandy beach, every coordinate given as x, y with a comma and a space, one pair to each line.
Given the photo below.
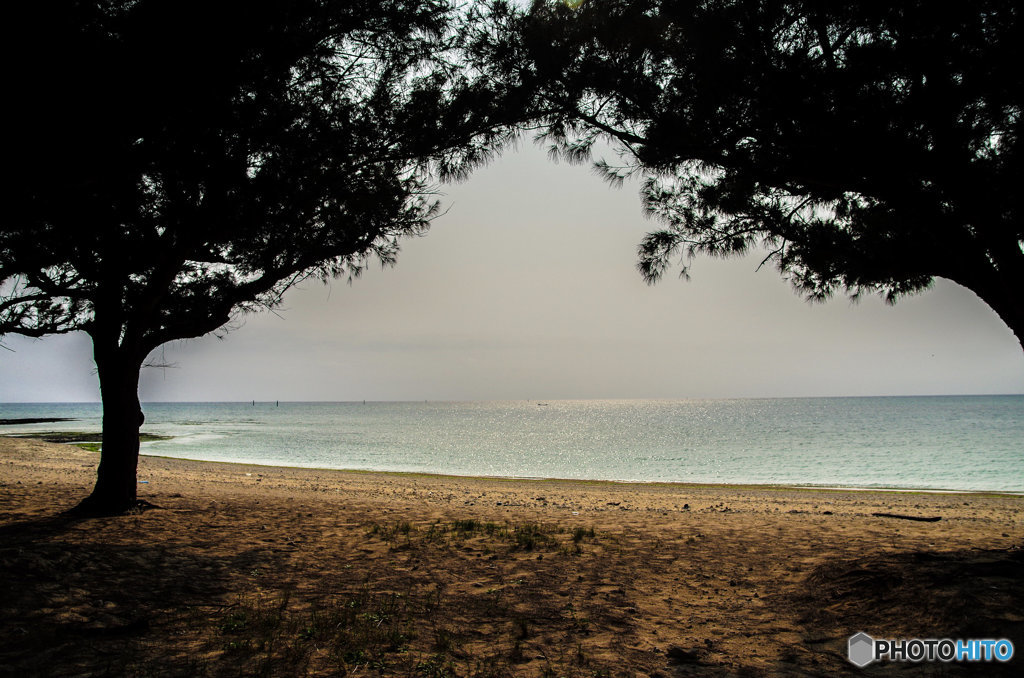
248, 570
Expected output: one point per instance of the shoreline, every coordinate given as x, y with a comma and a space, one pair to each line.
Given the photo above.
241, 569
163, 476
602, 481
796, 487
860, 449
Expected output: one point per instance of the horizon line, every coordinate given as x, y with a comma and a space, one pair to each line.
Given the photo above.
529, 400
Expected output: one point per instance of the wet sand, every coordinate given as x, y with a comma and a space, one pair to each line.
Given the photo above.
249, 570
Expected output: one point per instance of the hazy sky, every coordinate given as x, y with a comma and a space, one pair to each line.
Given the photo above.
527, 289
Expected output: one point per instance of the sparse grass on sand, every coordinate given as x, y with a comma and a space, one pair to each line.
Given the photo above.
258, 571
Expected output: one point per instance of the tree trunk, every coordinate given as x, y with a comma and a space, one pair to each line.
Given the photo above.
116, 483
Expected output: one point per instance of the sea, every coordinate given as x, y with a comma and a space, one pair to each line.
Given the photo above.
965, 443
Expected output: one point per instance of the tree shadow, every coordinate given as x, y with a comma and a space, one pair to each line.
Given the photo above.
28, 531
965, 594
95, 604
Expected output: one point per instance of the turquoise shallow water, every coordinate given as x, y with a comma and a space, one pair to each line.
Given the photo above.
946, 442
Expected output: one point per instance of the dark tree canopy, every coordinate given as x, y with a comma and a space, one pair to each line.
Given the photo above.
177, 163
867, 146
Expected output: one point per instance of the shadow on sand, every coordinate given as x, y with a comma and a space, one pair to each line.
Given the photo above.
93, 597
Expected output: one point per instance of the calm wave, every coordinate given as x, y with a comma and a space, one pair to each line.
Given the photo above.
963, 443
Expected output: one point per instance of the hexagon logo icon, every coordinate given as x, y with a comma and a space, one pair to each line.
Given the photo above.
861, 649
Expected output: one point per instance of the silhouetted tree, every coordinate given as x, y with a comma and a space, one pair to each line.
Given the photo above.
176, 163
868, 146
